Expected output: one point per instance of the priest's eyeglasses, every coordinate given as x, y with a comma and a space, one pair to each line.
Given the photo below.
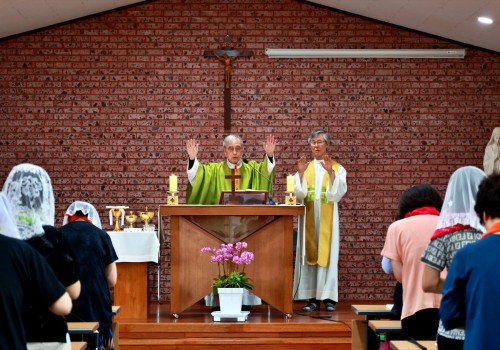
317, 143
236, 149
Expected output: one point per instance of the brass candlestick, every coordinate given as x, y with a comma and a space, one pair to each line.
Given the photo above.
290, 199
173, 199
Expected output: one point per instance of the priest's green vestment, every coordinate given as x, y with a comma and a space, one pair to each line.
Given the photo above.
210, 180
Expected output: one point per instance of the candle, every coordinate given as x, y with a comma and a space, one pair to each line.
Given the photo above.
173, 183
290, 183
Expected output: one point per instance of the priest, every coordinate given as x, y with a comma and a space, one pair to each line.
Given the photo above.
207, 181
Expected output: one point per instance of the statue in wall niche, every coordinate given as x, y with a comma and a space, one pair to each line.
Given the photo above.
491, 163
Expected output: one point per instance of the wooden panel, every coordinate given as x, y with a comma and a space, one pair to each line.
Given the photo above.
271, 271
131, 290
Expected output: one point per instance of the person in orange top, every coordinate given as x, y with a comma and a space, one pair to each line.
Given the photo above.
406, 240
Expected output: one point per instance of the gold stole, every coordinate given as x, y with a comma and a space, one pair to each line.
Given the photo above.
321, 255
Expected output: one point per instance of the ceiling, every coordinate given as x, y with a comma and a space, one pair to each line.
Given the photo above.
451, 19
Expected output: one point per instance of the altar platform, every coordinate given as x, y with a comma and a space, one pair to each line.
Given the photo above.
265, 328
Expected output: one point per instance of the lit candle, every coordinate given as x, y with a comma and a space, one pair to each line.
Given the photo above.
290, 183
173, 183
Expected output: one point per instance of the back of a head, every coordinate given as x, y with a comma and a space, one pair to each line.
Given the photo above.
29, 190
488, 197
460, 198
417, 197
80, 208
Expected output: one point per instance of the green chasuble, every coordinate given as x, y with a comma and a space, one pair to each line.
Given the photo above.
210, 181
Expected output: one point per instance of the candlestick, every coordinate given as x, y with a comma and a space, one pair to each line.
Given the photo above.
290, 183
173, 183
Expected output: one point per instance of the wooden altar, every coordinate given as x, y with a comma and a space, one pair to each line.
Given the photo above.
267, 229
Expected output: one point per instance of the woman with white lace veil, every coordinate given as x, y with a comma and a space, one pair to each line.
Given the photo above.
458, 226
79, 210
29, 191
96, 258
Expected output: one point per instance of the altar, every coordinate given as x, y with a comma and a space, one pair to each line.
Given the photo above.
268, 231
135, 250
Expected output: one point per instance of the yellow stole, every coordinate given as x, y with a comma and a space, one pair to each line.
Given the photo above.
318, 251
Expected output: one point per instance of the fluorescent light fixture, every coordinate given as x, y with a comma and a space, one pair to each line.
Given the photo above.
365, 53
485, 20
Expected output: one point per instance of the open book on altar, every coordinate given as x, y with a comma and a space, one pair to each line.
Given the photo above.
246, 197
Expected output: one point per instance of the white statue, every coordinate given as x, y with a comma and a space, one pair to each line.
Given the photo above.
491, 161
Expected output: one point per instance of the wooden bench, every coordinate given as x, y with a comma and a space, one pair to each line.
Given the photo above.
85, 328
362, 338
78, 345
385, 326
406, 345
115, 309
115, 327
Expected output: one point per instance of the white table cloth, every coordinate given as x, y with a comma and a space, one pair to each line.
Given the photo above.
135, 246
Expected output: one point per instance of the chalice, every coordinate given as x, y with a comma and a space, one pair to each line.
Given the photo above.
147, 216
117, 213
131, 218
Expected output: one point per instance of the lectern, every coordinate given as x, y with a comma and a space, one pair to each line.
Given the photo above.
268, 230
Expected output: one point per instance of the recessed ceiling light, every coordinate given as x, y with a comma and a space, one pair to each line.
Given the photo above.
485, 20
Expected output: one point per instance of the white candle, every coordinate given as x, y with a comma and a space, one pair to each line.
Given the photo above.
173, 183
290, 183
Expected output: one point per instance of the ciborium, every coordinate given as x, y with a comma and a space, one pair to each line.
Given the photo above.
131, 218
147, 216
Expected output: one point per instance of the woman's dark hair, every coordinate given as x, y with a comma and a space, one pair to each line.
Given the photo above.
418, 197
488, 198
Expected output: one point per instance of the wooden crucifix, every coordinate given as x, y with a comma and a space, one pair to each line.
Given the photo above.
233, 178
227, 55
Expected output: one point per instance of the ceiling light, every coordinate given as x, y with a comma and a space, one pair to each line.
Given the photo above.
365, 53
485, 20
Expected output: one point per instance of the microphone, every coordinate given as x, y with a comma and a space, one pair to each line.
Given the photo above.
269, 198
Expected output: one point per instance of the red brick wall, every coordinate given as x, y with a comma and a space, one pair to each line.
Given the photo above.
105, 104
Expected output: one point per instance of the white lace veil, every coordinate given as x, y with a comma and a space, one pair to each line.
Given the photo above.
8, 225
87, 209
460, 198
31, 197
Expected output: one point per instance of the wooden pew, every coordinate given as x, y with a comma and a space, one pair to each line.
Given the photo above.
85, 328
406, 345
362, 337
115, 327
385, 326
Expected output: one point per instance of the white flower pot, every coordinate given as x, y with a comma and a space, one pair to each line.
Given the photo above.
230, 300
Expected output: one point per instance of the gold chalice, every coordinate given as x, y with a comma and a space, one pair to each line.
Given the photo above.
146, 216
117, 213
131, 218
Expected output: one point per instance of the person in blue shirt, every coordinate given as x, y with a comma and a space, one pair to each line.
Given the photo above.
470, 292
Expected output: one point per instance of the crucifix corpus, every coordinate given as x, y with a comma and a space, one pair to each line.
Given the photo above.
227, 55
233, 178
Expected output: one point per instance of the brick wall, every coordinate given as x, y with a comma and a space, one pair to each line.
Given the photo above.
106, 103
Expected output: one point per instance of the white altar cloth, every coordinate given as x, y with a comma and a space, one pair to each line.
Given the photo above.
135, 246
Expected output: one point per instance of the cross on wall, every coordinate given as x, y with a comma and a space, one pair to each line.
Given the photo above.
227, 55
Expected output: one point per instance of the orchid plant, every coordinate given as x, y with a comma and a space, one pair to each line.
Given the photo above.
230, 257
